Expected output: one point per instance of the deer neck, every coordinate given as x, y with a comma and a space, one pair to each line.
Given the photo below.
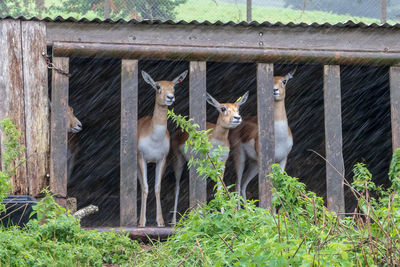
220, 133
280, 110
160, 115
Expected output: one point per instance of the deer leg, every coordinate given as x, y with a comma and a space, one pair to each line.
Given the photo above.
179, 163
283, 164
239, 159
160, 166
251, 171
145, 189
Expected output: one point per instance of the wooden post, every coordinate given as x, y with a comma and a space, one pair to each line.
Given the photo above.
383, 11
12, 90
129, 111
333, 138
266, 140
248, 10
36, 104
394, 75
197, 111
59, 108
107, 10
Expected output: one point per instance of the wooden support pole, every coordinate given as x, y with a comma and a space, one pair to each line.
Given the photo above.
12, 92
128, 153
197, 111
333, 138
394, 75
266, 140
36, 104
248, 10
58, 152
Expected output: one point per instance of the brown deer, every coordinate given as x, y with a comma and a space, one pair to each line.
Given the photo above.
154, 141
244, 139
228, 118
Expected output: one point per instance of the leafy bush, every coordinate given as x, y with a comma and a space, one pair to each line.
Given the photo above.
57, 239
10, 156
302, 232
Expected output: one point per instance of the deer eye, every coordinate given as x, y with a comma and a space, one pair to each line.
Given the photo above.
223, 109
284, 82
158, 87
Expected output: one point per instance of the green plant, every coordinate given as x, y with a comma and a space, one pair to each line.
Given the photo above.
47, 208
11, 156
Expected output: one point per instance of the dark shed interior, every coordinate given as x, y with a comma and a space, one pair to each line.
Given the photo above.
95, 97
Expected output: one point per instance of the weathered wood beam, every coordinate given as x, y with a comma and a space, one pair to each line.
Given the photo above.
12, 91
394, 74
352, 39
128, 153
36, 104
139, 233
197, 111
333, 138
266, 139
58, 152
221, 53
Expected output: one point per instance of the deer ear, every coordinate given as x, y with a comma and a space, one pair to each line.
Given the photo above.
290, 75
213, 102
180, 78
241, 100
147, 78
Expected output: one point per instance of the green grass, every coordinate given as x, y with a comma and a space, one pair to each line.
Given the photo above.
202, 10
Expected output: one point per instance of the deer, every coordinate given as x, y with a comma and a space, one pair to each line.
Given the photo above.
228, 118
244, 139
73, 126
154, 141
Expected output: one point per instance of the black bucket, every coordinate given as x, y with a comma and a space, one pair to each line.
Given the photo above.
18, 209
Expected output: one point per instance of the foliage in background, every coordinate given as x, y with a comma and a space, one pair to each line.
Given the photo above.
11, 156
302, 232
128, 9
361, 8
200, 10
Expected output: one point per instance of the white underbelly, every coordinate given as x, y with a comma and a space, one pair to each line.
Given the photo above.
283, 141
155, 147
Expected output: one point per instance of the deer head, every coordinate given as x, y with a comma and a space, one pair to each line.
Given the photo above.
228, 112
165, 90
280, 83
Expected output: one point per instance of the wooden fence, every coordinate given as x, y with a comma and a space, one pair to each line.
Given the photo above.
23, 84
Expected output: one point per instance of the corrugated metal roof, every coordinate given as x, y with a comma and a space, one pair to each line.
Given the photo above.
348, 24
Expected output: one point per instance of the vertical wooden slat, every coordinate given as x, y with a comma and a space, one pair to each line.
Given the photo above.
394, 74
12, 90
266, 140
128, 154
36, 104
333, 138
197, 111
59, 108
248, 10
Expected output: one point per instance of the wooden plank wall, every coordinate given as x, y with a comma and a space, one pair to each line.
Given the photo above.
266, 140
197, 111
129, 111
333, 138
59, 140
394, 75
36, 104
12, 90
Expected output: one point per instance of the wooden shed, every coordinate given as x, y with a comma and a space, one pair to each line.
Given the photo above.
82, 48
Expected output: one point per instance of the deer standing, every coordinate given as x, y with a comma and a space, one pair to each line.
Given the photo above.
154, 141
244, 139
228, 118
